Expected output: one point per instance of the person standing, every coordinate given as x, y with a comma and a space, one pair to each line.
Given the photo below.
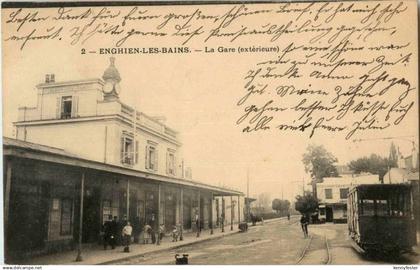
152, 224
108, 234
304, 224
161, 231
126, 234
197, 223
136, 229
222, 222
114, 232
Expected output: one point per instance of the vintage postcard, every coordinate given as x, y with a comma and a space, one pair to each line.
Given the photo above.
210, 133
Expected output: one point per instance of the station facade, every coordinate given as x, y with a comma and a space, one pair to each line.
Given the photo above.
81, 155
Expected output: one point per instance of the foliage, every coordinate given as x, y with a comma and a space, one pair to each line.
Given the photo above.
306, 204
281, 206
373, 164
319, 162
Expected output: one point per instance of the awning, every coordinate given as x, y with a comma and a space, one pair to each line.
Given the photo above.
22, 149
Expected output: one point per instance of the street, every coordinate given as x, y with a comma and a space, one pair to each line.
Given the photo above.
279, 242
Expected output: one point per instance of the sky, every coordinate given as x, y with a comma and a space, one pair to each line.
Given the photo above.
197, 95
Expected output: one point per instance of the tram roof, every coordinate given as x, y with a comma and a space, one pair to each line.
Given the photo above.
28, 150
375, 188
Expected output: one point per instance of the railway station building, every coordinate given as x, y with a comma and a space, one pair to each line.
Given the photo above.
81, 156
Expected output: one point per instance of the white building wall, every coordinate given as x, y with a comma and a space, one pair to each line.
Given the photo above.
337, 183
84, 139
97, 139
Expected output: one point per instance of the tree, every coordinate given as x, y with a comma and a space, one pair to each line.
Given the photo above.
319, 162
281, 206
276, 205
306, 204
373, 164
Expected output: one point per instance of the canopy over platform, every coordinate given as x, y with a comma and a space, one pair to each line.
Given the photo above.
23, 149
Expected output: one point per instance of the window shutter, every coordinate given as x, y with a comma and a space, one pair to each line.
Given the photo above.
175, 165
75, 106
58, 109
167, 162
137, 152
61, 105
155, 166
122, 148
146, 165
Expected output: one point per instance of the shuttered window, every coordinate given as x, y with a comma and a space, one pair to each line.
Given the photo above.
170, 162
67, 107
151, 158
129, 150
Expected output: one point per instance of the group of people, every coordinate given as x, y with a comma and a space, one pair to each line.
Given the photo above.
116, 233
120, 233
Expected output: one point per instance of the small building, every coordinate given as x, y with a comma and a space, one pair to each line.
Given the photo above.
332, 193
407, 173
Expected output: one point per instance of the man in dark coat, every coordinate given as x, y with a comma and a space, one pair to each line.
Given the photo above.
114, 231
304, 221
107, 229
152, 223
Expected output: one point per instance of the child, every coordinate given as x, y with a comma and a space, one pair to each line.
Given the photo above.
175, 234
161, 231
147, 233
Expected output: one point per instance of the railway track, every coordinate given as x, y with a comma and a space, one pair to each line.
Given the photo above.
316, 251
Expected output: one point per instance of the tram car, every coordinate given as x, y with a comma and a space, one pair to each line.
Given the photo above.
380, 219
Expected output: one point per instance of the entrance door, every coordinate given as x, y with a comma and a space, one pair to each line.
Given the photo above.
187, 212
170, 211
328, 214
91, 215
202, 219
151, 208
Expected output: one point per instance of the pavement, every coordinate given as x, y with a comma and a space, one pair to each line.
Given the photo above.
95, 254
278, 241
275, 243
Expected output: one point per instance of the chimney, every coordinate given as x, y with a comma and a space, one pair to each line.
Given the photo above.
52, 78
47, 78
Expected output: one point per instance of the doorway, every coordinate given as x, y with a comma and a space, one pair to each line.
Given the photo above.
328, 214
170, 211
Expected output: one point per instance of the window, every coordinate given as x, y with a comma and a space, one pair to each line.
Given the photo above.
382, 208
328, 193
66, 214
343, 193
368, 207
129, 150
151, 157
170, 162
66, 107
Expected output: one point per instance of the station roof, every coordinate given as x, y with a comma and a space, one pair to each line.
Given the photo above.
23, 149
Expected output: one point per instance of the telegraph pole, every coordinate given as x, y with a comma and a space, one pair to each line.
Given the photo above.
247, 195
303, 186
